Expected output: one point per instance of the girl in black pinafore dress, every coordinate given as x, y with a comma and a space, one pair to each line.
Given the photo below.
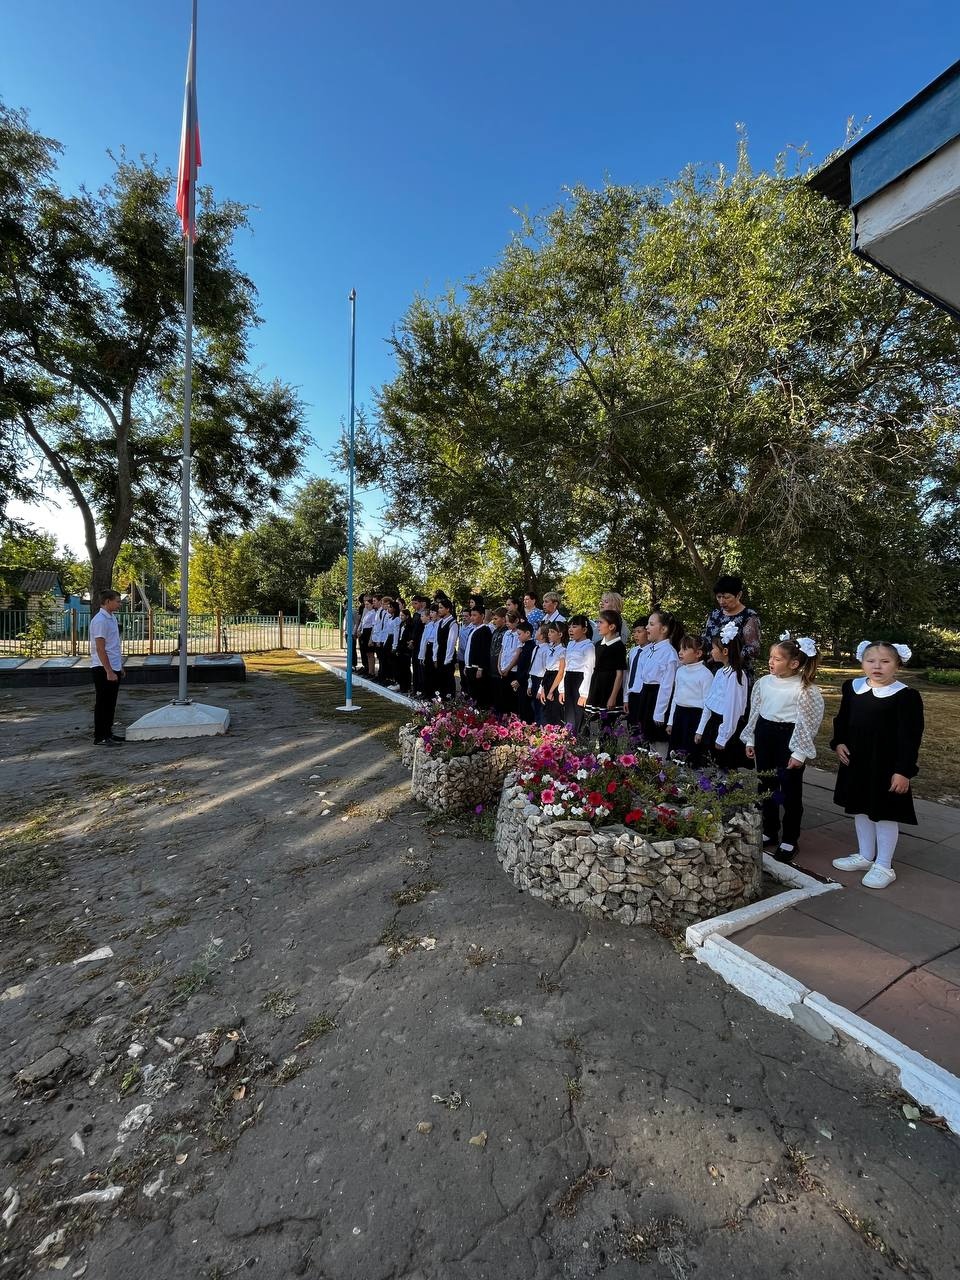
876, 735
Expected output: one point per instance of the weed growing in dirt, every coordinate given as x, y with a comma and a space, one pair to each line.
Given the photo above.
199, 974
280, 1003
414, 893
502, 1017
317, 1027
568, 1203
574, 1086
477, 956
396, 941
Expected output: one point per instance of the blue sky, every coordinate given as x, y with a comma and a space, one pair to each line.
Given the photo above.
385, 147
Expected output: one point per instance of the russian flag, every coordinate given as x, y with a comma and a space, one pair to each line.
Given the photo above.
189, 140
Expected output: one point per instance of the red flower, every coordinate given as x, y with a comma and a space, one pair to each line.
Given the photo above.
635, 815
611, 788
594, 798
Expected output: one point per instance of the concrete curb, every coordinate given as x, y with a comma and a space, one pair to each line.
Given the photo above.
929, 1084
804, 887
359, 681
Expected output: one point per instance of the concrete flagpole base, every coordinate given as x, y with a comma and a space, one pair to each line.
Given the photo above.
350, 706
190, 720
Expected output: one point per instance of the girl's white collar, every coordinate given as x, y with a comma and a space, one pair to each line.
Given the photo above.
862, 685
609, 639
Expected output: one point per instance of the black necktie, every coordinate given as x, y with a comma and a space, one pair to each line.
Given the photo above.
633, 668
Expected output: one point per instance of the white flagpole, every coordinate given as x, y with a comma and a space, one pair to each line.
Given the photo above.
349, 704
191, 142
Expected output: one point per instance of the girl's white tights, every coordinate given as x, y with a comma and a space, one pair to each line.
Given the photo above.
877, 840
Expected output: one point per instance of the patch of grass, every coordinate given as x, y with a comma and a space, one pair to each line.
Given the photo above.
70, 943
24, 870
574, 1087
378, 717
141, 976
280, 1003
568, 1203
200, 973
477, 956
131, 1079
414, 893
501, 1017
317, 1027
573, 1044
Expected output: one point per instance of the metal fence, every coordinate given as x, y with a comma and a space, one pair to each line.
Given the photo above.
40, 634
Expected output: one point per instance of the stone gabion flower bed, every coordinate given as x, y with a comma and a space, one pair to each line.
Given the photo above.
613, 871
408, 735
453, 786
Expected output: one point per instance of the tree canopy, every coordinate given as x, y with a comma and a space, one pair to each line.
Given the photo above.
91, 338
684, 380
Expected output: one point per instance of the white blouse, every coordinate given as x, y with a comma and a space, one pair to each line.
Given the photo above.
728, 697
511, 643
556, 653
538, 664
581, 659
785, 700
428, 639
633, 680
691, 686
659, 666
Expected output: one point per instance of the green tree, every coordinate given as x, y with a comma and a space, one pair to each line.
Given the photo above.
287, 550
91, 335
222, 575
376, 567
28, 548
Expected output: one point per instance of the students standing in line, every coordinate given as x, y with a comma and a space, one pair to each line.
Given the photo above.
542, 652
658, 669
606, 688
633, 683
445, 647
549, 694
725, 709
476, 659
581, 659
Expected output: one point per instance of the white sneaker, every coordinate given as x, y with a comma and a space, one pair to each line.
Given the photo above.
853, 862
878, 878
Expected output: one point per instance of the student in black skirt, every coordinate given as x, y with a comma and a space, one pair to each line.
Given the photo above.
658, 668
549, 694
542, 652
578, 674
610, 665
786, 711
876, 735
690, 688
725, 710
404, 653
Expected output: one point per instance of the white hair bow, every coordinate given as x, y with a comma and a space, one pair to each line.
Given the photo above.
903, 651
806, 644
728, 632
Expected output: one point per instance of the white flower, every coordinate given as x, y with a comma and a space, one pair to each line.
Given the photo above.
581, 773
603, 757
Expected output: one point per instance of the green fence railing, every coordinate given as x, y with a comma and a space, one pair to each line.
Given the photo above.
46, 633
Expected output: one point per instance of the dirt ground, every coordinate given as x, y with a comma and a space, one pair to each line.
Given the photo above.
332, 1040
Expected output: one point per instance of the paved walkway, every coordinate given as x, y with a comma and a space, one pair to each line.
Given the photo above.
891, 956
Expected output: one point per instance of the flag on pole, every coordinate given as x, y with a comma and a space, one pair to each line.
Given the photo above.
189, 140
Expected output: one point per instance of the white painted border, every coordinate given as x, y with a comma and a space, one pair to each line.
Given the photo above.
930, 1084
370, 685
804, 887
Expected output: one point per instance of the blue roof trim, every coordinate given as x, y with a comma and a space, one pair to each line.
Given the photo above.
906, 140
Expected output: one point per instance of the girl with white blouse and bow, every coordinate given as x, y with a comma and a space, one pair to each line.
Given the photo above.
581, 659
724, 711
786, 711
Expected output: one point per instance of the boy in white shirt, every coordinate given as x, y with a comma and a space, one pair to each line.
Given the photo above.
106, 665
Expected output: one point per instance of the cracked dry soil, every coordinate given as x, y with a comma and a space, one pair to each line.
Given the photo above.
641, 1119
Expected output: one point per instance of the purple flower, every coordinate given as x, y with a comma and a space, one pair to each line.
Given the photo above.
478, 809
704, 783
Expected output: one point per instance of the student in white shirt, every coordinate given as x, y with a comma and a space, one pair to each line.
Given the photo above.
427, 654
549, 694
786, 711
633, 679
367, 622
725, 708
658, 668
581, 658
506, 661
542, 652
106, 665
445, 646
690, 688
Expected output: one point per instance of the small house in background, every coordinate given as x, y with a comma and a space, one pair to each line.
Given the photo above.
35, 590
901, 182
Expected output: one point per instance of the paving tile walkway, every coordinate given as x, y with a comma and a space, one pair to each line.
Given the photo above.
891, 956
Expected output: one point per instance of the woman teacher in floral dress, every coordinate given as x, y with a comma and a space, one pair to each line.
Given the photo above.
728, 592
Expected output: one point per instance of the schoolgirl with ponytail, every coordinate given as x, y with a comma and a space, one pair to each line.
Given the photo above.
658, 670
786, 711
725, 707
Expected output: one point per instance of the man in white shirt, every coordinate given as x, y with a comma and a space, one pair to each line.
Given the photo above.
106, 663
